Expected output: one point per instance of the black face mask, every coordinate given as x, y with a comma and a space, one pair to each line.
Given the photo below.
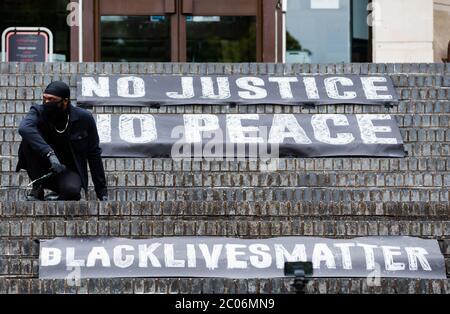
53, 112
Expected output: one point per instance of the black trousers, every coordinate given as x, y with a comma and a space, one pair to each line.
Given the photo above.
66, 184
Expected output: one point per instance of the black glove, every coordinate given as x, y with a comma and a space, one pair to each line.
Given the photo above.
56, 167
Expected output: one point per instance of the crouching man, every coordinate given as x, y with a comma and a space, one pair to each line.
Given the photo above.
60, 138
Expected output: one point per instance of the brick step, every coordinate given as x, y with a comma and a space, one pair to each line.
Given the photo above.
299, 165
256, 179
292, 194
404, 93
221, 68
268, 209
218, 285
231, 226
403, 107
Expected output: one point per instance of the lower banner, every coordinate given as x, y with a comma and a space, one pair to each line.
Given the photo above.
249, 135
372, 257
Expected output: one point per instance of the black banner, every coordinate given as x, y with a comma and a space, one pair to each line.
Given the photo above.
371, 257
142, 90
249, 135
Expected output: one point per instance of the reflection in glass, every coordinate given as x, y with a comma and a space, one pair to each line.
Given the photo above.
36, 13
221, 38
135, 39
327, 31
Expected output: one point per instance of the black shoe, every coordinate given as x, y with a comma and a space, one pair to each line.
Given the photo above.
52, 197
36, 194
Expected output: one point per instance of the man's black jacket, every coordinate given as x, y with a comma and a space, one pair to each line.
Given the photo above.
84, 143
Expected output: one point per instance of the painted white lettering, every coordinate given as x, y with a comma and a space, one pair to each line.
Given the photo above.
211, 259
70, 258
195, 124
236, 131
333, 91
191, 256
389, 252
232, 256
346, 256
311, 88
282, 255
208, 88
322, 253
369, 131
187, 85
120, 260
322, 131
146, 252
371, 90
89, 87
169, 257
417, 254
252, 91
263, 258
50, 256
370, 255
98, 253
284, 85
147, 127
103, 122
138, 87
281, 122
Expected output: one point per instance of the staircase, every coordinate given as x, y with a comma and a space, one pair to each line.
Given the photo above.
327, 197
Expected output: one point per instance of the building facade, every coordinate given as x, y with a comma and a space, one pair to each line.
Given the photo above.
293, 31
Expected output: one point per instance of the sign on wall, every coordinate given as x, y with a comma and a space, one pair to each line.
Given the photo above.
142, 90
376, 257
249, 135
27, 44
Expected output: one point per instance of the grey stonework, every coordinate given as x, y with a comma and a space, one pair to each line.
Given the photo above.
328, 197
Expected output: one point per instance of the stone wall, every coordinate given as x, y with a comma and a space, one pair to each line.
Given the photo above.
328, 197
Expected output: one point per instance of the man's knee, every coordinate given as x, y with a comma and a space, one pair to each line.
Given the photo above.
70, 193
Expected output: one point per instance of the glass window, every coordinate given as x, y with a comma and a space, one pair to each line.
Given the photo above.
327, 31
37, 13
135, 39
221, 38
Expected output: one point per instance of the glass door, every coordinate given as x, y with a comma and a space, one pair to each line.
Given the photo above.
220, 31
135, 30
185, 30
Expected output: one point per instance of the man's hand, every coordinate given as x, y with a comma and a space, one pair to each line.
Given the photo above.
56, 167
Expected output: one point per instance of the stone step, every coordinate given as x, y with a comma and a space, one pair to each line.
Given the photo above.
218, 285
298, 165
267, 209
257, 179
231, 226
282, 194
420, 69
34, 92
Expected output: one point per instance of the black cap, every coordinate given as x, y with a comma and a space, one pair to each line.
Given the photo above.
59, 89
